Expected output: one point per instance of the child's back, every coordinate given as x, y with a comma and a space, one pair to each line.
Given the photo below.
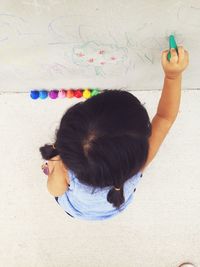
88, 203
104, 144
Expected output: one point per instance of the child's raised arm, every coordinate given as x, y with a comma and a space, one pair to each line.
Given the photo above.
170, 99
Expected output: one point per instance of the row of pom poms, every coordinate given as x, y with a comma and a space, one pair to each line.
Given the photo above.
53, 94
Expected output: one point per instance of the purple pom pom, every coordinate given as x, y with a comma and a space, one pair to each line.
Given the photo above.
53, 94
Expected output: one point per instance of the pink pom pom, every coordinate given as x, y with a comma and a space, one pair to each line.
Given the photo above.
62, 93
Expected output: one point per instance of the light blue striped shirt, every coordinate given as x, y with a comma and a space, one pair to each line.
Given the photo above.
85, 202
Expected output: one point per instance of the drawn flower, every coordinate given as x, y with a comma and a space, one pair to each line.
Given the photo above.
98, 55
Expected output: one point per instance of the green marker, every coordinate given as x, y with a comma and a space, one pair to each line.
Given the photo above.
172, 44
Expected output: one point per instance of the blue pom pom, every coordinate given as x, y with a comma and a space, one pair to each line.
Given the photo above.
43, 94
34, 94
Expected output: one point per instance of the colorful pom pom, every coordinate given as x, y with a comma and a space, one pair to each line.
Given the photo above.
70, 93
78, 93
95, 92
53, 94
34, 94
62, 93
86, 93
43, 94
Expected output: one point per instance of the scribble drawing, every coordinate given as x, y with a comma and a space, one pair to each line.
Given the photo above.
40, 5
89, 52
84, 48
10, 26
64, 31
57, 69
92, 54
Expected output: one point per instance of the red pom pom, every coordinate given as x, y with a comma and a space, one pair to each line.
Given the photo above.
78, 93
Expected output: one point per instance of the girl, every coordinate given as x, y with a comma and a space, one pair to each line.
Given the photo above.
104, 144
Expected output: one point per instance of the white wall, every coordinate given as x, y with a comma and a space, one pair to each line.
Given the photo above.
40, 40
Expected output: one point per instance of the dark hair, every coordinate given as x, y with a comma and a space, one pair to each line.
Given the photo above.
103, 140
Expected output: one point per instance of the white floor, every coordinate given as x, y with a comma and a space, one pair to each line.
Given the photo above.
160, 229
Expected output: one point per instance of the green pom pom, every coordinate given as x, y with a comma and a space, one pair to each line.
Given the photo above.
95, 92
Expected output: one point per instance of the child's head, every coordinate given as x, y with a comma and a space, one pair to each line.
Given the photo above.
104, 140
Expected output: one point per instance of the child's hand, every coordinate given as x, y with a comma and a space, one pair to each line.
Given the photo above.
177, 64
49, 166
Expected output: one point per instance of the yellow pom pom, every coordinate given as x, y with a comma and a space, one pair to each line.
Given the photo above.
86, 93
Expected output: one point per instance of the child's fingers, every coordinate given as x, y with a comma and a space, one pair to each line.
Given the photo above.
174, 56
165, 51
181, 54
45, 168
164, 57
